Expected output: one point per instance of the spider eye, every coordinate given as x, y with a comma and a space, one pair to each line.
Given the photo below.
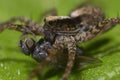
80, 26
83, 27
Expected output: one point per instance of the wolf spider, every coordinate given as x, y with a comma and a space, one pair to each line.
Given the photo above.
58, 46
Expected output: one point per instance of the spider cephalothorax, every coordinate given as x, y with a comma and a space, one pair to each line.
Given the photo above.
61, 35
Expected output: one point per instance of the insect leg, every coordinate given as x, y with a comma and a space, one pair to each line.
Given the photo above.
51, 52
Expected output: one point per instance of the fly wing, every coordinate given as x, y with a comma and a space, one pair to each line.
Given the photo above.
83, 62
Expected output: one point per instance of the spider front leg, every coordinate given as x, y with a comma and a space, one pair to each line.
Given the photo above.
68, 42
71, 58
34, 27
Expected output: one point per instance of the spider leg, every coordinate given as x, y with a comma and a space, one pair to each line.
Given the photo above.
98, 29
71, 58
108, 24
69, 42
36, 28
103, 26
52, 53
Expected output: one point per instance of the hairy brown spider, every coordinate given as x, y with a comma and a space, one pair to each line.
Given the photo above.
61, 35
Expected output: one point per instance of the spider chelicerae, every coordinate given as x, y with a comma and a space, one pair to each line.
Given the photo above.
61, 34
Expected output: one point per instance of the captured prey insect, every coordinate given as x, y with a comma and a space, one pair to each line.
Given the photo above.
61, 35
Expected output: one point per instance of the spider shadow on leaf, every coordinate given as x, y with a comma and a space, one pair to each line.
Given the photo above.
109, 51
95, 45
93, 48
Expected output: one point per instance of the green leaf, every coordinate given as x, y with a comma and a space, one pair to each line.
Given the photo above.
14, 65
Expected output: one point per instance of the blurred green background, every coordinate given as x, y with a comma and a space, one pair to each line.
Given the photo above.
16, 66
